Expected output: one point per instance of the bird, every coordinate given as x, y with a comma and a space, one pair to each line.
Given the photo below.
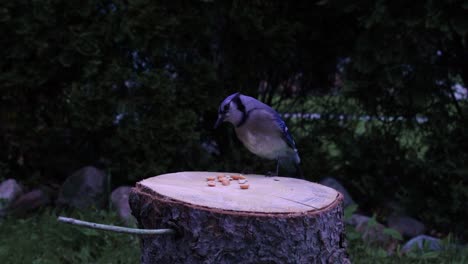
262, 131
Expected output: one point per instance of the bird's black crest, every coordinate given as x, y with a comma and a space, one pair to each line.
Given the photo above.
241, 108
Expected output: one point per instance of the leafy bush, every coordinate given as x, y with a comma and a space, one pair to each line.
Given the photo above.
133, 86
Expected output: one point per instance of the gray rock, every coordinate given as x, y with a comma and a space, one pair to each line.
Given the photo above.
119, 199
333, 183
29, 202
357, 220
395, 207
422, 242
84, 188
9, 191
373, 233
407, 226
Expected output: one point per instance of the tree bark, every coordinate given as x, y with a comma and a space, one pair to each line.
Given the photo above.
277, 220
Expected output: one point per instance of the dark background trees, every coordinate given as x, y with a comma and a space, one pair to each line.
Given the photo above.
133, 87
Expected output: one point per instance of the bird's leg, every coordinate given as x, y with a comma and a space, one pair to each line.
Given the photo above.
277, 167
270, 173
246, 171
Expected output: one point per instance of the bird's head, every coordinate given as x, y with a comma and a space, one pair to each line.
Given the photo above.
231, 110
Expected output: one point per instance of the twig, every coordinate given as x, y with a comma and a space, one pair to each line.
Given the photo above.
118, 229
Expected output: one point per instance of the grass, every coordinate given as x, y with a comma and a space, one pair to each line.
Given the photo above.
361, 252
41, 239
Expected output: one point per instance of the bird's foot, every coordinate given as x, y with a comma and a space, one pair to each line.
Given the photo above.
245, 171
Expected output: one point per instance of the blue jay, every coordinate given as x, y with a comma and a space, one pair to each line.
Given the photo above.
261, 130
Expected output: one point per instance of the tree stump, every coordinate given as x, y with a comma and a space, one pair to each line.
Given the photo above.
277, 220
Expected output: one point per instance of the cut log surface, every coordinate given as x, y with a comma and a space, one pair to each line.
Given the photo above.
265, 194
275, 220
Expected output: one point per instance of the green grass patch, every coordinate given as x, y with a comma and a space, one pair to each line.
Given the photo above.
41, 239
360, 252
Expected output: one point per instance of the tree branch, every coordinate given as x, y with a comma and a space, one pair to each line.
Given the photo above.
118, 229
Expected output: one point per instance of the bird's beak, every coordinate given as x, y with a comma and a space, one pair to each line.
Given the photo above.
219, 121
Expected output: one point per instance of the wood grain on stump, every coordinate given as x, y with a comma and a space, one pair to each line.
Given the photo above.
277, 220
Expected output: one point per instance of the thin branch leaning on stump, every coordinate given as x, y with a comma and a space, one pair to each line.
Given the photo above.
118, 229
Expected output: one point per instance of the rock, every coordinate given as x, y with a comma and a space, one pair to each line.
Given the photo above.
119, 199
372, 232
9, 191
394, 207
29, 202
407, 226
422, 242
333, 183
357, 220
84, 188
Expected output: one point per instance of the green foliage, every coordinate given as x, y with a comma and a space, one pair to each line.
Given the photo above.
382, 161
75, 72
405, 64
363, 252
393, 233
349, 211
133, 86
42, 239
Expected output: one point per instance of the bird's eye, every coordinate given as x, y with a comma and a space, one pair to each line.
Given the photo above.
226, 108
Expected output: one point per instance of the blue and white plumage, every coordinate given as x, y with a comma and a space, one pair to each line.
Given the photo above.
261, 130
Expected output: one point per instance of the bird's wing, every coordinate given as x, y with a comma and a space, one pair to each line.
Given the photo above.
285, 132
280, 124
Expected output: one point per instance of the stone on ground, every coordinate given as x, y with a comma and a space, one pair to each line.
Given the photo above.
335, 184
421, 243
84, 188
29, 202
9, 191
119, 199
407, 226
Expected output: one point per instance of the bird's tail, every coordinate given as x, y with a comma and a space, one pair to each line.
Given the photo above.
297, 165
291, 166
299, 174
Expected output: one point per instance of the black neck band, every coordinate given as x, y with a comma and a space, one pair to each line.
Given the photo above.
241, 108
